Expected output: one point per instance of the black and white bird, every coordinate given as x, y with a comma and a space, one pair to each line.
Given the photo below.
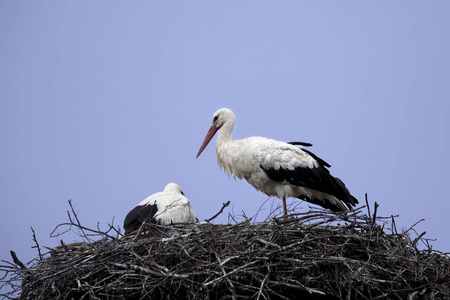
167, 207
277, 168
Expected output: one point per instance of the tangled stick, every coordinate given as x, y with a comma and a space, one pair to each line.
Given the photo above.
313, 255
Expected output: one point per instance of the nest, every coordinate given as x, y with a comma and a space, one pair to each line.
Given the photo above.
313, 255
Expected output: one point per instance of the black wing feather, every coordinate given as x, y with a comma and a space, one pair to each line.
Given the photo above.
317, 178
304, 144
137, 215
318, 159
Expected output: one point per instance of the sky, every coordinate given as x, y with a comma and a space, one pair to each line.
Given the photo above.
106, 102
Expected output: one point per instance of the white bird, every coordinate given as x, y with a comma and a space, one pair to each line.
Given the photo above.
277, 168
167, 207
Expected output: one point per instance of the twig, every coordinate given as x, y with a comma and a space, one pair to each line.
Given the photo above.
36, 242
394, 226
375, 213
77, 224
230, 284
229, 273
16, 260
414, 225
318, 252
262, 286
418, 238
141, 228
368, 206
81, 228
221, 210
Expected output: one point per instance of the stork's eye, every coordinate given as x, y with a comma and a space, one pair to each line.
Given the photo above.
182, 193
215, 119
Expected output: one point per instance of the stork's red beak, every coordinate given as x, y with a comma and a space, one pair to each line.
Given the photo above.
211, 132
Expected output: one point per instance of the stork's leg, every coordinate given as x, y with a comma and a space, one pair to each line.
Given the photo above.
284, 208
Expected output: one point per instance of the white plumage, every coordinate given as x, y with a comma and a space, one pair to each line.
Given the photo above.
276, 168
167, 207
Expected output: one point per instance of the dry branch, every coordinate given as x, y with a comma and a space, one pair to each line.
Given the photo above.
314, 255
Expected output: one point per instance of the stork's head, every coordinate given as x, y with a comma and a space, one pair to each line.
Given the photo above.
174, 188
221, 117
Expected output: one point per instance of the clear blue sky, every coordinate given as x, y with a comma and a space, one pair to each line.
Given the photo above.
105, 102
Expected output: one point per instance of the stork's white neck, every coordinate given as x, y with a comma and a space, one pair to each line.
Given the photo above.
224, 135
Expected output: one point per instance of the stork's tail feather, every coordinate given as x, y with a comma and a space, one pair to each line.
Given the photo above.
331, 202
348, 199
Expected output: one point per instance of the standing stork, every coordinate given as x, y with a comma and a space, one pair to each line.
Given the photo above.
166, 207
277, 168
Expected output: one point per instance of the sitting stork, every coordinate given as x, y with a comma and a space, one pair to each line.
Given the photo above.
277, 168
167, 207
